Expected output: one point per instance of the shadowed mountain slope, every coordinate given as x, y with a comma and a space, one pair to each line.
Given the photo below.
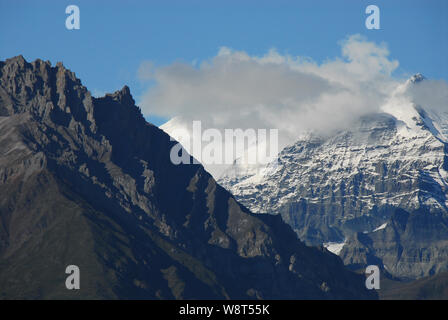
87, 181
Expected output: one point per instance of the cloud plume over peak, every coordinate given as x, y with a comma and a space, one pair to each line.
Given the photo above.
291, 93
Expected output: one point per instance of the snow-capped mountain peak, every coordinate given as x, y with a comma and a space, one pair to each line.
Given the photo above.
331, 187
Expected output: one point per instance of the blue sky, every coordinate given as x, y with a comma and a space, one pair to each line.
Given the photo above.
117, 36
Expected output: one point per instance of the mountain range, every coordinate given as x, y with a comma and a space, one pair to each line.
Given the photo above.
373, 193
88, 181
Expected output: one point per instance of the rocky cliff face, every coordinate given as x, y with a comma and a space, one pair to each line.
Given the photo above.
89, 182
344, 190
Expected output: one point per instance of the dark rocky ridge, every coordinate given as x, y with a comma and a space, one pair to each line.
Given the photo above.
88, 181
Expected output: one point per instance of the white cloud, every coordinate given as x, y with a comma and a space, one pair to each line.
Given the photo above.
291, 93
237, 90
431, 94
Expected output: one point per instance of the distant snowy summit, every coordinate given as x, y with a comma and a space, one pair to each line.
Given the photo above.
330, 188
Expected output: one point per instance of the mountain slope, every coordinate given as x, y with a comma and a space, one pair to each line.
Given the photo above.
89, 182
330, 188
428, 288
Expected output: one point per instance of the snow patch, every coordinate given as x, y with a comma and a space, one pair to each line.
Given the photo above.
381, 227
334, 247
